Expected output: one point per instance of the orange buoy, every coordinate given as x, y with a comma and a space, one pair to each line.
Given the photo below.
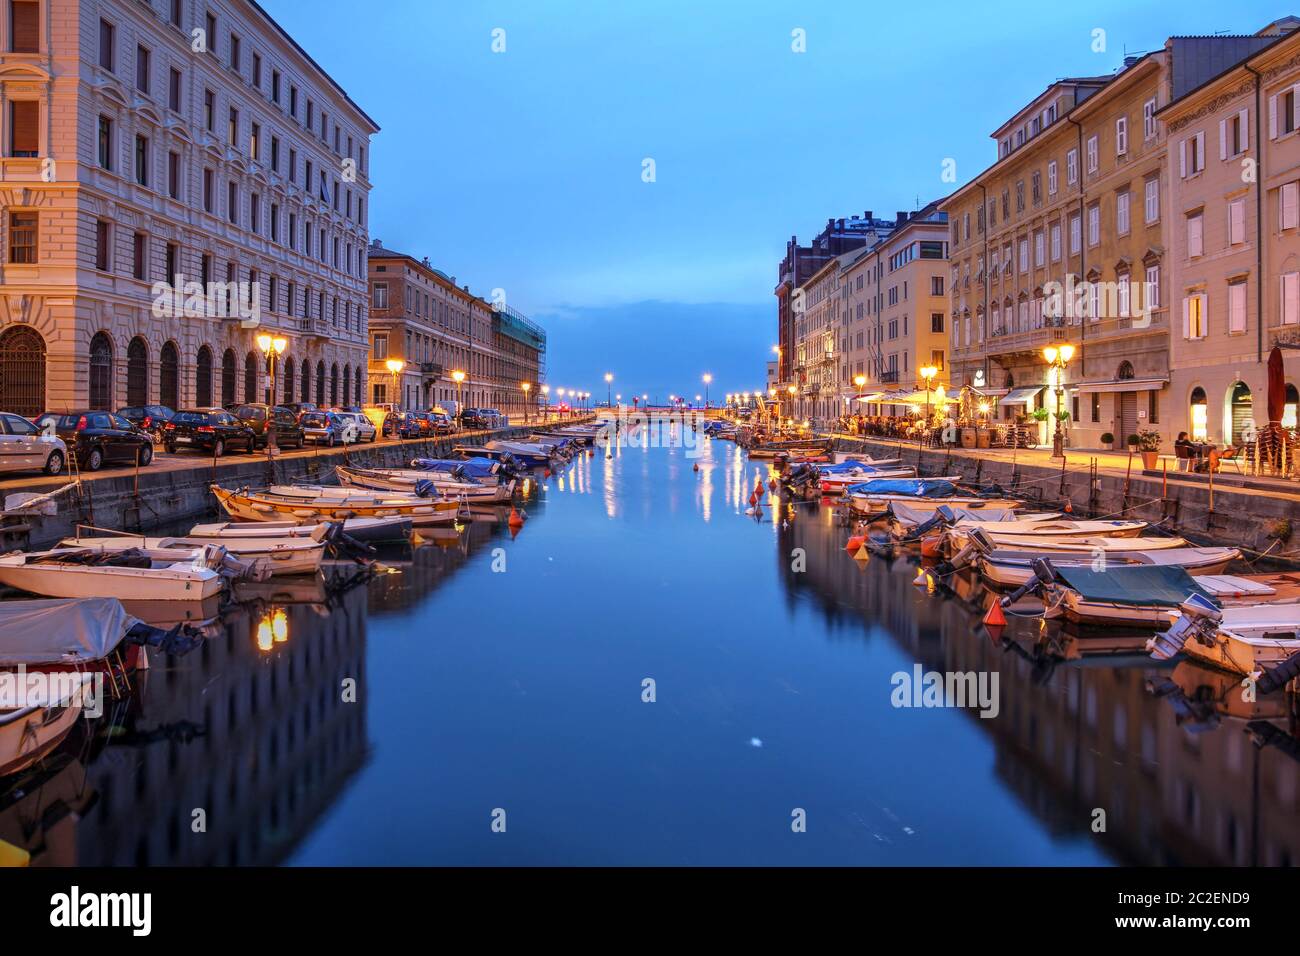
930, 546
753, 499
994, 617
1069, 508
854, 543
591, 454
697, 466
516, 519
771, 484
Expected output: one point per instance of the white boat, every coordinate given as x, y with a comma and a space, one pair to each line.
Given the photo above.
316, 503
1009, 568
361, 529
833, 483
184, 574
876, 504
1242, 640
1143, 595
1067, 533
277, 555
411, 480
907, 517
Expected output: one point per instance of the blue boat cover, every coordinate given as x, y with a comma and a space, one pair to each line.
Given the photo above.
912, 487
1141, 585
473, 467
426, 488
851, 464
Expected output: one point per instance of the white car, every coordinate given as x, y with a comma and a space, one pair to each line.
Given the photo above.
24, 447
366, 430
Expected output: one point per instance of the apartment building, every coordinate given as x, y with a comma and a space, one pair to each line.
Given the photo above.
1067, 239
896, 308
178, 177
800, 263
816, 306
421, 318
1234, 240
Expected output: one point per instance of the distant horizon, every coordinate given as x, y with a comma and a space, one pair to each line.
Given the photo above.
524, 170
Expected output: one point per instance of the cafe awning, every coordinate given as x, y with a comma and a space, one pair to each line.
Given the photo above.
1121, 385
1021, 396
918, 398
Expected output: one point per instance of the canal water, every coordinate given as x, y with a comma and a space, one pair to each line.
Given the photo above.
485, 702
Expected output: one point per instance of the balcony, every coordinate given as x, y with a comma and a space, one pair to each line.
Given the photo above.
314, 328
431, 370
889, 376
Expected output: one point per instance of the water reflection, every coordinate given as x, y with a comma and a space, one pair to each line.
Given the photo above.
1186, 771
481, 689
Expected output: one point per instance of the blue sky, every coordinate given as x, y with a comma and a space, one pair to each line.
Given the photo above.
523, 170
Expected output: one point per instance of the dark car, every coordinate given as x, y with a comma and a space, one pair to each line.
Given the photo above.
288, 433
442, 424
209, 429
299, 407
475, 418
99, 438
149, 418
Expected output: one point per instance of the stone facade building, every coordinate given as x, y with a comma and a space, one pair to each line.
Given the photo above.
174, 143
421, 317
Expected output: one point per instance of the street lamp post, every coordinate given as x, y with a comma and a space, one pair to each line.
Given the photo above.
458, 377
609, 379
1057, 358
526, 386
272, 347
928, 372
546, 401
707, 379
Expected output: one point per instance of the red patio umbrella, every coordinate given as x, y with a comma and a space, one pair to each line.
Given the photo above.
1276, 387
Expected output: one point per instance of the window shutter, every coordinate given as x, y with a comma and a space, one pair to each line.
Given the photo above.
1295, 106
1223, 139
1243, 119
1290, 298
1187, 317
1200, 150
25, 26
1272, 117
24, 129
1205, 315
1182, 159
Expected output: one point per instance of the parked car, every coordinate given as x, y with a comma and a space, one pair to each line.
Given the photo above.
263, 418
401, 425
150, 418
475, 418
99, 438
23, 447
365, 431
299, 407
209, 429
323, 428
442, 423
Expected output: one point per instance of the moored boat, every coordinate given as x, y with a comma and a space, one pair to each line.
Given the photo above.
1009, 568
920, 494
1252, 640
317, 503
369, 530
278, 556
141, 574
426, 484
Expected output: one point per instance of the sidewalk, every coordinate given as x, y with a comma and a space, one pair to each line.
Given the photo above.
1114, 463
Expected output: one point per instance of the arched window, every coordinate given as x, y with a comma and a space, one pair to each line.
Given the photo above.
22, 371
203, 378
334, 384
101, 372
250, 378
169, 376
137, 372
1125, 371
1290, 406
1241, 411
288, 379
228, 377
320, 383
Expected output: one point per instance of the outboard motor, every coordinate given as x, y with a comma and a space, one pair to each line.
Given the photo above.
977, 543
1044, 575
1198, 715
936, 520
1276, 678
1200, 620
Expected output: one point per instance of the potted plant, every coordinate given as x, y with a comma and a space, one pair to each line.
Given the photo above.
1132, 442
1149, 444
1040, 414
1108, 440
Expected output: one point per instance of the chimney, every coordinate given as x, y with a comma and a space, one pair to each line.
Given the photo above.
868, 214
900, 217
1130, 60
376, 244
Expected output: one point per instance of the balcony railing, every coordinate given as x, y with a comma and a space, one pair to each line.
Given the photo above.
889, 376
